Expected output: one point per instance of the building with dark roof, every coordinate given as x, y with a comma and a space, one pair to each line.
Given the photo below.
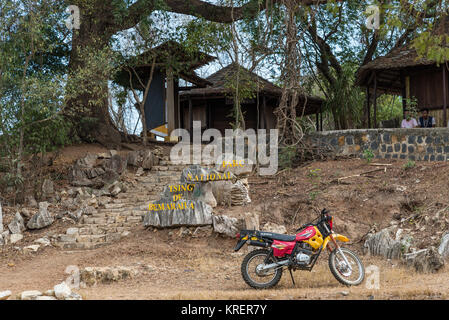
213, 105
403, 73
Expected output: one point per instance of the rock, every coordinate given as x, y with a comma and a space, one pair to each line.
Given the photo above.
104, 155
272, 227
45, 298
139, 172
31, 202
228, 193
50, 293
425, 261
142, 158
2, 241
443, 249
4, 295
91, 276
16, 237
30, 295
178, 214
238, 166
17, 225
27, 213
48, 188
76, 215
226, 225
205, 194
72, 231
41, 219
62, 291
148, 160
1, 218
381, 244
74, 296
251, 221
116, 164
344, 293
196, 173
31, 248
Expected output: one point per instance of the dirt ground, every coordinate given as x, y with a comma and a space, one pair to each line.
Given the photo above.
207, 268
203, 269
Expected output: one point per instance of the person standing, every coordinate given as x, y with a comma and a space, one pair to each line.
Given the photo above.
426, 121
409, 121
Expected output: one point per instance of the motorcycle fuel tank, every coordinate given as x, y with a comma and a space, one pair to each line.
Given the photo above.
306, 234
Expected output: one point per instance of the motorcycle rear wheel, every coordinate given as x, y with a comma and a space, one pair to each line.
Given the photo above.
341, 272
250, 275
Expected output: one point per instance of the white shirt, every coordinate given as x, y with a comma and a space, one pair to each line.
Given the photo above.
409, 124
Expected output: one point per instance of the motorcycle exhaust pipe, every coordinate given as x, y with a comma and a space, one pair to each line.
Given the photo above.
275, 265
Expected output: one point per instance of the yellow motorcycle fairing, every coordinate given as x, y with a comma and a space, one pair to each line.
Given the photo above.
336, 236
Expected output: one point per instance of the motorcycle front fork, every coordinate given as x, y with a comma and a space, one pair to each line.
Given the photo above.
338, 248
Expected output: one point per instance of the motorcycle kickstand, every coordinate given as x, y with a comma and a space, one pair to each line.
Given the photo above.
291, 275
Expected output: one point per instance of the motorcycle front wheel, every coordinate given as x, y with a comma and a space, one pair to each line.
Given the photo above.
346, 267
252, 274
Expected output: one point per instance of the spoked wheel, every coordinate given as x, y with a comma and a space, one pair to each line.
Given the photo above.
252, 271
346, 267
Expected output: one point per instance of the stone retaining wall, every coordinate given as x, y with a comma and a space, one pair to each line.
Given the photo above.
413, 144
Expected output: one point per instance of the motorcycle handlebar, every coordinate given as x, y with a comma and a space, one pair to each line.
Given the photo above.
323, 213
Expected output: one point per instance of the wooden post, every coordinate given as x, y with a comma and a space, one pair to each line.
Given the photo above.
317, 116
375, 100
321, 118
190, 119
368, 106
262, 122
170, 101
444, 97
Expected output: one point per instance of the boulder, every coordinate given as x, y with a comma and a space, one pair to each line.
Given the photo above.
425, 260
43, 241
45, 298
226, 225
48, 188
381, 244
229, 193
238, 166
74, 296
272, 227
142, 158
15, 238
251, 221
62, 291
31, 248
4, 295
31, 202
116, 163
29, 295
167, 213
16, 226
443, 249
41, 219
149, 160
196, 173
91, 276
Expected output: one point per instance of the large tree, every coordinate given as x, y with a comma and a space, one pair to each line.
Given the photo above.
100, 21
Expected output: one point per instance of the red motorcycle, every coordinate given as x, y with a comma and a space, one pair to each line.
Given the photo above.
262, 268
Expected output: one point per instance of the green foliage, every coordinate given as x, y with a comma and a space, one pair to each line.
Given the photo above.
368, 155
287, 156
409, 165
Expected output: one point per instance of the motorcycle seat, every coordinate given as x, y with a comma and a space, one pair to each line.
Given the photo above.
277, 236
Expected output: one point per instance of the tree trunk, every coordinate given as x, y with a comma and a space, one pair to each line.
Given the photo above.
87, 96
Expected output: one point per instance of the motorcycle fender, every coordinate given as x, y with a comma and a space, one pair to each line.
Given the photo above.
336, 236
